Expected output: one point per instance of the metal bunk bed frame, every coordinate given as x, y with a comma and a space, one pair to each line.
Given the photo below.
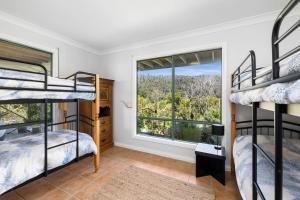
279, 110
67, 121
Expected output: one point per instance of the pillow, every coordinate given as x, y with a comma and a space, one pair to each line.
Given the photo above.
294, 64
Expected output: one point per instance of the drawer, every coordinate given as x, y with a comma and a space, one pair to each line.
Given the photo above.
105, 130
105, 121
105, 141
105, 138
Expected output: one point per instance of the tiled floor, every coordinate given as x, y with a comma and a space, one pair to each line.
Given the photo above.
78, 181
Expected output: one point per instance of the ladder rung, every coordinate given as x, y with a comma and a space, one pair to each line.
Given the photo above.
291, 52
259, 191
288, 32
61, 144
271, 161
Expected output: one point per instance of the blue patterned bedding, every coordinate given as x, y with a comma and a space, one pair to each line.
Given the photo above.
242, 153
282, 93
23, 158
22, 94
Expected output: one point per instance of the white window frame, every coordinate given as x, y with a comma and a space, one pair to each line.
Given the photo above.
133, 101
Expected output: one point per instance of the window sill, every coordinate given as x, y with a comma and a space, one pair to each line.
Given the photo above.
177, 143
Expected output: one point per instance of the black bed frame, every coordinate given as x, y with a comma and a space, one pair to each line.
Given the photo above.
245, 128
72, 121
280, 109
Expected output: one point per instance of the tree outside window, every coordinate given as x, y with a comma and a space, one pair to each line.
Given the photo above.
179, 96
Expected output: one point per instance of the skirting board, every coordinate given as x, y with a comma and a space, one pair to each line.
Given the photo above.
155, 152
160, 153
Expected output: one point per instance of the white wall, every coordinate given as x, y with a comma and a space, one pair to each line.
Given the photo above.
67, 57
239, 38
71, 58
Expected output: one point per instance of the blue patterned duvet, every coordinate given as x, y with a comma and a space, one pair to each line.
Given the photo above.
23, 158
242, 153
65, 85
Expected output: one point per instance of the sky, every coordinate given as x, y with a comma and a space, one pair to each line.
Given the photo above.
192, 70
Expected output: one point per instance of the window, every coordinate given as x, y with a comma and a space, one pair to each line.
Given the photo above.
179, 96
22, 119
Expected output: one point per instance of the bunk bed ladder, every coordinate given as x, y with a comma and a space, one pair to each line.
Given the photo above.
280, 109
255, 187
58, 145
278, 133
77, 128
46, 136
277, 164
255, 147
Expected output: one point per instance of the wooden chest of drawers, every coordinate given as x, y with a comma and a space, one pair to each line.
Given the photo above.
106, 114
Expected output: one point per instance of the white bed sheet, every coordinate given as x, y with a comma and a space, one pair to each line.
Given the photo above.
23, 158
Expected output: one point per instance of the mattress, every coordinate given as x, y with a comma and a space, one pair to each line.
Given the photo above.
65, 85
281, 93
242, 154
23, 158
23, 94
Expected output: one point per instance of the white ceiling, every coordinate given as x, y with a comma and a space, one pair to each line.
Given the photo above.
108, 24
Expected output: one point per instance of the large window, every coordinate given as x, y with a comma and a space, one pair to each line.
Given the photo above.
22, 119
179, 96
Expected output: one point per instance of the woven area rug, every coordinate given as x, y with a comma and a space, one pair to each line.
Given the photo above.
138, 184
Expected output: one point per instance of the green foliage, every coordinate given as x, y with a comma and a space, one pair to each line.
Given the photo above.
13, 112
196, 99
193, 132
23, 113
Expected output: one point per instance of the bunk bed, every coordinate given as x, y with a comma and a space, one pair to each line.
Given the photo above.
30, 157
266, 152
